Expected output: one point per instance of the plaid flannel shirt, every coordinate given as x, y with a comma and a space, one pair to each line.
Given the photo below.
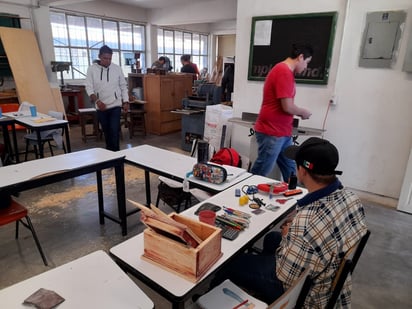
328, 222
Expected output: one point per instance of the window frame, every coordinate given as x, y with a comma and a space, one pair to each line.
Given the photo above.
79, 68
174, 54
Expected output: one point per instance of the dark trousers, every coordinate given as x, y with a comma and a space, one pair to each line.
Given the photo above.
110, 122
256, 273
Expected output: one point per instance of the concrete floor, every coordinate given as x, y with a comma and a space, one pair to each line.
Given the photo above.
66, 220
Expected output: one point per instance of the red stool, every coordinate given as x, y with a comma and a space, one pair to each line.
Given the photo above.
15, 213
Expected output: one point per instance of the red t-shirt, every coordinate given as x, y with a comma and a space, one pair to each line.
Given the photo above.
279, 84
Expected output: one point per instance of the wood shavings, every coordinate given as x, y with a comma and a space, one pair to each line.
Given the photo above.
80, 191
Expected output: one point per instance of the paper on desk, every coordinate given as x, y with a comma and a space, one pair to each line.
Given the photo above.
233, 172
43, 119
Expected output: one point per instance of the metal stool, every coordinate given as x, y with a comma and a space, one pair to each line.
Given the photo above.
86, 115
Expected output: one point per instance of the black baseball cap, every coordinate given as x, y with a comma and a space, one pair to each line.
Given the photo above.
316, 155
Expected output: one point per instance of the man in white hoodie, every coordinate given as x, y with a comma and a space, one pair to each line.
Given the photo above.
107, 89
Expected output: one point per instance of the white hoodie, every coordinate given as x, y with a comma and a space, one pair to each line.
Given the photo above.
108, 84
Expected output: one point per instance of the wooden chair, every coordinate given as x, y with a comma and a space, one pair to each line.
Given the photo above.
294, 297
15, 213
346, 267
31, 138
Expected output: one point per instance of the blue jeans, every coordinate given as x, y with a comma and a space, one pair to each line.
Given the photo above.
270, 152
110, 121
256, 273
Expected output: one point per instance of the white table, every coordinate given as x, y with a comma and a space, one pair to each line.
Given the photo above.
36, 173
175, 288
92, 281
30, 123
175, 166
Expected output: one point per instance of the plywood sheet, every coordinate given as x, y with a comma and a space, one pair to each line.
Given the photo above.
27, 67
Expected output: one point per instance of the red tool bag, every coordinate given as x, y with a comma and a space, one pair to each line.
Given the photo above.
227, 156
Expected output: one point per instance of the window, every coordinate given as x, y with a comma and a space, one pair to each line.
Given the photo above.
174, 43
78, 39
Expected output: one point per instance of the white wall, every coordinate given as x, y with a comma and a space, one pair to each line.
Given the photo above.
371, 123
196, 12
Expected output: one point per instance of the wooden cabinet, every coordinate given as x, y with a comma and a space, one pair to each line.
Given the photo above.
164, 93
134, 80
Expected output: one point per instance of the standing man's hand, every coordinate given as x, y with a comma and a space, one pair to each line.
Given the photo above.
100, 105
305, 114
125, 107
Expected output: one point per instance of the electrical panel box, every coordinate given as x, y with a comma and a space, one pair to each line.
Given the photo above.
381, 39
407, 65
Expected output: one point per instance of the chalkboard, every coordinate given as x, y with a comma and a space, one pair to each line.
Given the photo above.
273, 36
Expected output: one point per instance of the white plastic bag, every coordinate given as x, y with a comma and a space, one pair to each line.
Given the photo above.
217, 127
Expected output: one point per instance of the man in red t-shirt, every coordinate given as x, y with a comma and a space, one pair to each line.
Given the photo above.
274, 124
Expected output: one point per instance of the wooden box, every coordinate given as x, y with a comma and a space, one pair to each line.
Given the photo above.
187, 262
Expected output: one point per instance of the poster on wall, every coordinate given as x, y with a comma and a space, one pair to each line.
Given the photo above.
272, 38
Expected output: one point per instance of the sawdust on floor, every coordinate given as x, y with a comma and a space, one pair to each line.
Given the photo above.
62, 199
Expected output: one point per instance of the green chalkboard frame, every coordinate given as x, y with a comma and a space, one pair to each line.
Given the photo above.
274, 36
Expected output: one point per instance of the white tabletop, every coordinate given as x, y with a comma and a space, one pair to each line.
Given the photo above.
17, 173
92, 281
178, 165
131, 250
34, 122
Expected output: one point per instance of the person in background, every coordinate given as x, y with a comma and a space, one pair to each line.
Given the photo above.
189, 67
328, 221
204, 74
228, 80
162, 63
274, 124
107, 89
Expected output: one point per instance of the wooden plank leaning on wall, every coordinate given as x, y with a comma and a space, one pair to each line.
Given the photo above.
28, 70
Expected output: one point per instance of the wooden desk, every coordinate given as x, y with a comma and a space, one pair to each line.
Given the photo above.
175, 288
37, 173
31, 124
92, 281
72, 112
175, 166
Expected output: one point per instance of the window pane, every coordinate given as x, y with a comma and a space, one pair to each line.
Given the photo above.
139, 37
178, 63
115, 58
178, 42
77, 31
168, 41
94, 55
143, 60
125, 33
62, 54
94, 32
203, 45
195, 59
160, 45
110, 34
59, 32
79, 61
203, 62
196, 49
187, 43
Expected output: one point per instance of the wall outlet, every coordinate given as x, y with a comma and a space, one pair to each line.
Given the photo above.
333, 100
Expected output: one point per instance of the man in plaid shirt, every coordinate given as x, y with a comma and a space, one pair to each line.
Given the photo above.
328, 221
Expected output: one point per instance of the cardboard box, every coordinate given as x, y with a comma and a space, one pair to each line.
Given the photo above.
175, 256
